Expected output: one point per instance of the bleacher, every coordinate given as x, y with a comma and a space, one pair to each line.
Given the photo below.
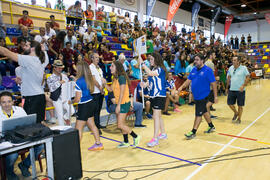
260, 55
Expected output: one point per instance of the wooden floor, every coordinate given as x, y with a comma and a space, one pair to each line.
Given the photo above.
208, 156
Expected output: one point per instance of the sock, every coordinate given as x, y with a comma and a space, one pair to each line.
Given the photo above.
194, 131
210, 125
125, 138
133, 134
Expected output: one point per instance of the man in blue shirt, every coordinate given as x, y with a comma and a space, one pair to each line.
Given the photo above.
202, 77
237, 78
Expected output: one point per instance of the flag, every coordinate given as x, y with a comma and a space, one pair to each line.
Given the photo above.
214, 19
139, 46
195, 10
149, 7
228, 23
173, 8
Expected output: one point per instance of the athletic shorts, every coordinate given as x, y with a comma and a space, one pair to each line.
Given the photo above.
86, 110
200, 106
158, 103
211, 97
238, 96
124, 108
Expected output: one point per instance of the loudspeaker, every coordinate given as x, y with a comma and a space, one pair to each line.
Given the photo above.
67, 156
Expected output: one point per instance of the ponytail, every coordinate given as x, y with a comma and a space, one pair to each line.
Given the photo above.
38, 51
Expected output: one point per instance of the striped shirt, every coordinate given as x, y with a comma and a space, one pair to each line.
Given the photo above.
158, 83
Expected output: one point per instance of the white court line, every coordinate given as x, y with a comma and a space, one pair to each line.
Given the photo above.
235, 147
224, 147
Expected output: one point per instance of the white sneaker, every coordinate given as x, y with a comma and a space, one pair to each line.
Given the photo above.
53, 120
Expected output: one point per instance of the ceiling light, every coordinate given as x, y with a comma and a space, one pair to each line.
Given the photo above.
255, 13
212, 10
243, 5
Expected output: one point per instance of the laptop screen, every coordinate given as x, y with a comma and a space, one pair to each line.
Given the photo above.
12, 123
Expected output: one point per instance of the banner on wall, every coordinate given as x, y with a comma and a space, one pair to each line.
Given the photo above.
149, 7
195, 11
228, 23
173, 8
140, 46
214, 19
267, 17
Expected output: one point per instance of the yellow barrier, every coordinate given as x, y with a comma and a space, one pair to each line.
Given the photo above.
8, 42
51, 108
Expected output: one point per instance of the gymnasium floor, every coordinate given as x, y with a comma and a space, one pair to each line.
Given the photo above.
208, 156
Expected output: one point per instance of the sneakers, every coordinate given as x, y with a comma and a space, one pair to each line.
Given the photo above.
210, 129
162, 136
238, 121
136, 141
53, 120
177, 110
166, 113
213, 117
140, 126
24, 170
191, 104
234, 117
212, 109
96, 147
190, 135
149, 116
153, 142
123, 145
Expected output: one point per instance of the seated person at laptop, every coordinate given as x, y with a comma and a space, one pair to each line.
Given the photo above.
7, 111
136, 107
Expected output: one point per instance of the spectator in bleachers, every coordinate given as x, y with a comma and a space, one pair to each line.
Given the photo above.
174, 28
89, 15
98, 30
249, 40
107, 59
100, 16
88, 36
126, 64
135, 67
81, 30
70, 38
56, 44
188, 70
127, 19
53, 24
90, 47
112, 16
25, 21
79, 50
25, 35
171, 95
120, 17
49, 31
5, 64
68, 54
33, 2
146, 94
42, 38
75, 14
164, 56
236, 42
59, 5
181, 63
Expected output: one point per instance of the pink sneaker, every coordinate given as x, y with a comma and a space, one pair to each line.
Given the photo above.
162, 136
177, 110
153, 142
96, 147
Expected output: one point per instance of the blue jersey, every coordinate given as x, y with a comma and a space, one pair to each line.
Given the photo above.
157, 84
201, 80
139, 89
170, 84
81, 86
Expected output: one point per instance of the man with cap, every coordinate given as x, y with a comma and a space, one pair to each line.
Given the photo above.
55, 82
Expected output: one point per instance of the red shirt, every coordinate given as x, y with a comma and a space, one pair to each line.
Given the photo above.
174, 28
67, 53
99, 15
28, 22
107, 56
56, 46
55, 25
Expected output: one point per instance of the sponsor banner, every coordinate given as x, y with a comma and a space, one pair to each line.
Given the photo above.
173, 8
228, 23
195, 10
214, 19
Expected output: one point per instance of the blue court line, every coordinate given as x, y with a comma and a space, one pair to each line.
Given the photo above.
162, 154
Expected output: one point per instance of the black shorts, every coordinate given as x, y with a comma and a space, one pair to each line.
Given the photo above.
236, 95
86, 110
211, 97
200, 106
158, 103
35, 105
145, 100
